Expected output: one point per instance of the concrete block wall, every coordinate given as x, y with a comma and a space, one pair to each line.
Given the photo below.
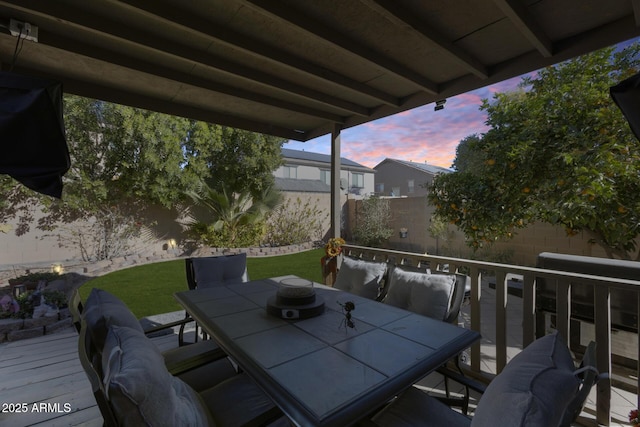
414, 214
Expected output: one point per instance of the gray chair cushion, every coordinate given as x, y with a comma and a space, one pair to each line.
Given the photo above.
422, 293
102, 310
141, 390
416, 408
237, 401
220, 270
361, 277
534, 388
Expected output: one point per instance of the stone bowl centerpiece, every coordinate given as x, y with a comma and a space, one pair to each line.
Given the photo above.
295, 299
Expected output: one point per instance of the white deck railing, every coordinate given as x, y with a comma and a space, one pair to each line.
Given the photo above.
602, 287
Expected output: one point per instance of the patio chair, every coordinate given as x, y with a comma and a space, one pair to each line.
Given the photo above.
439, 296
538, 387
132, 387
207, 272
198, 364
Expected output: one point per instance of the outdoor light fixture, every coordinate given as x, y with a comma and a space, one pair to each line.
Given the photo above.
171, 244
404, 232
439, 105
57, 268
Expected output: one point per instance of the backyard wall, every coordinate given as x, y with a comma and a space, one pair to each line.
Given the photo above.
34, 249
413, 213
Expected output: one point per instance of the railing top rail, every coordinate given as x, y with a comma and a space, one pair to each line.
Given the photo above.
612, 282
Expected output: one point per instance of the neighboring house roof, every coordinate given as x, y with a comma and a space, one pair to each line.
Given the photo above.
306, 157
424, 167
302, 185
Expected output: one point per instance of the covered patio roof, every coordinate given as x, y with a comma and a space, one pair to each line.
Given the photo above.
300, 69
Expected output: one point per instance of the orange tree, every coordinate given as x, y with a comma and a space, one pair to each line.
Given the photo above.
558, 151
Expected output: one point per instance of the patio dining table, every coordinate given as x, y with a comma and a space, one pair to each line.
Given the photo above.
324, 370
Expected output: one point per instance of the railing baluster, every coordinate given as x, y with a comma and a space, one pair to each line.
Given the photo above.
563, 308
602, 318
501, 321
476, 279
528, 310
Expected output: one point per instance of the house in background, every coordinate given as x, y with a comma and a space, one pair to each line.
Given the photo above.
303, 169
401, 178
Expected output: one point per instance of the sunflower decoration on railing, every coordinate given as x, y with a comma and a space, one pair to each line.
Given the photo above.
333, 248
634, 418
329, 261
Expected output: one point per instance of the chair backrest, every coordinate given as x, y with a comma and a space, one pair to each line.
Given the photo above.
436, 295
90, 361
459, 293
216, 271
361, 277
539, 386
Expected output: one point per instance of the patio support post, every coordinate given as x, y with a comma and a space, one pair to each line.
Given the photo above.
335, 181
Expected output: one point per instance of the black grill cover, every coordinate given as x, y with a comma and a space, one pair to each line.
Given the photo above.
32, 137
626, 95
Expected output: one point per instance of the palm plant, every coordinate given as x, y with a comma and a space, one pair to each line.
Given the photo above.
230, 219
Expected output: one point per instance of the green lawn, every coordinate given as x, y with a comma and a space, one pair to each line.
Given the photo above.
148, 289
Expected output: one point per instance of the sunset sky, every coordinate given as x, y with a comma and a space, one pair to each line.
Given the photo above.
418, 135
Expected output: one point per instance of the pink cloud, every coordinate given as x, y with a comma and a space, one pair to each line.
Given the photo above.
419, 135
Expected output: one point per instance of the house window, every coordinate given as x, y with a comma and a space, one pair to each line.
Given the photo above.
380, 188
411, 185
290, 172
395, 191
325, 176
357, 180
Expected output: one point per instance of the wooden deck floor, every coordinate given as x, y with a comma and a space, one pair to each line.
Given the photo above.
44, 377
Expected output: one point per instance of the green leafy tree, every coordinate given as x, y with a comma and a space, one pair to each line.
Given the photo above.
468, 157
126, 160
559, 152
245, 161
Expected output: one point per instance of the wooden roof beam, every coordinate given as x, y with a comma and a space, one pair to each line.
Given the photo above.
101, 25
257, 48
290, 16
395, 12
516, 12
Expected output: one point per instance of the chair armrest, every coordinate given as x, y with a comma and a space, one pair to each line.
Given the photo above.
456, 376
164, 326
180, 365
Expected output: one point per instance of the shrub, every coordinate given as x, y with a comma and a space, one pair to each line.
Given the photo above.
27, 301
295, 221
372, 222
243, 236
